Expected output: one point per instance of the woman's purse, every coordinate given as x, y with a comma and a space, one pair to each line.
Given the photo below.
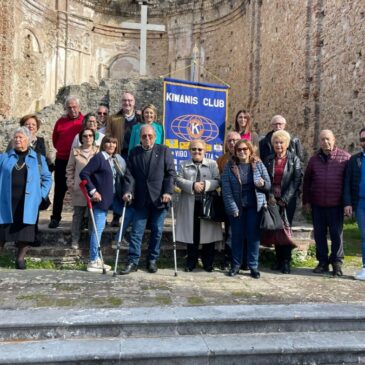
279, 237
212, 207
271, 218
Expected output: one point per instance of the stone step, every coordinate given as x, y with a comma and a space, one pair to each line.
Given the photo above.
39, 324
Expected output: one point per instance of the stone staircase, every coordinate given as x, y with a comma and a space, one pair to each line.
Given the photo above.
299, 334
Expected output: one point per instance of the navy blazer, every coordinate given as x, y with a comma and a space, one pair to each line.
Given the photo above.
99, 176
158, 179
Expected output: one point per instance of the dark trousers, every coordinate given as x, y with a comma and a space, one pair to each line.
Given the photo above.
207, 253
60, 188
331, 219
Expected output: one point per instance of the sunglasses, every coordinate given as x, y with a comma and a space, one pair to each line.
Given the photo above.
87, 135
100, 113
242, 149
196, 149
362, 139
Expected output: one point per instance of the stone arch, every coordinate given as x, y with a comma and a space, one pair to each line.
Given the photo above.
30, 42
122, 66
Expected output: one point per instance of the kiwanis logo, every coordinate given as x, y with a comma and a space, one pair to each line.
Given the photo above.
190, 126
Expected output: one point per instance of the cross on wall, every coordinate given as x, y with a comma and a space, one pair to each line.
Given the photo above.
143, 26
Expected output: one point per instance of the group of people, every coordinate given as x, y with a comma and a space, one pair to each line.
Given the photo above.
123, 162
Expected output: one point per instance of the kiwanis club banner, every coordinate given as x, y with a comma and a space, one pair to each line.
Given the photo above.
194, 111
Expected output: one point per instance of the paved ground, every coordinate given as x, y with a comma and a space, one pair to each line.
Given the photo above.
78, 289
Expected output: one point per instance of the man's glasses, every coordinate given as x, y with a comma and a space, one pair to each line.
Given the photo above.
194, 149
232, 140
101, 113
144, 136
242, 149
362, 139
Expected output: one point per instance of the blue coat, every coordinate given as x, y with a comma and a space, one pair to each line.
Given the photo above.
37, 186
99, 176
231, 187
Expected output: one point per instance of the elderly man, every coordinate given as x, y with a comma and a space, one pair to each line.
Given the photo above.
63, 134
102, 112
278, 122
354, 195
322, 193
120, 125
150, 179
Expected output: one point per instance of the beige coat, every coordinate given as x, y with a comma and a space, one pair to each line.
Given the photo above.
77, 161
209, 231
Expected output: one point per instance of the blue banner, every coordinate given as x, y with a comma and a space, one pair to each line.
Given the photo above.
194, 111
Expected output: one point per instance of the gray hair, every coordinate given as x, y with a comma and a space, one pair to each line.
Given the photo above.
25, 131
71, 98
147, 126
276, 117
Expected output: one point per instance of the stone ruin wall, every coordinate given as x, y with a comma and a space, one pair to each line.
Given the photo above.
302, 59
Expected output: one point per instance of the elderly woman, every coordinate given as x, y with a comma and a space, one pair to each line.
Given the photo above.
90, 121
149, 116
196, 177
243, 126
24, 181
79, 158
245, 182
101, 174
285, 172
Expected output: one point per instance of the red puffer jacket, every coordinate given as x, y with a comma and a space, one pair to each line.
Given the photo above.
324, 178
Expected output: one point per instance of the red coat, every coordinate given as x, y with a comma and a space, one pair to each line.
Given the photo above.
323, 179
64, 133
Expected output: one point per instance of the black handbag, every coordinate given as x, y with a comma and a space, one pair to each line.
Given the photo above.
271, 219
212, 207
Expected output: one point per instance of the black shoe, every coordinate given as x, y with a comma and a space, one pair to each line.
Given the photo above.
152, 267
337, 269
129, 268
255, 273
234, 271
208, 268
285, 269
188, 269
54, 223
20, 264
244, 267
321, 269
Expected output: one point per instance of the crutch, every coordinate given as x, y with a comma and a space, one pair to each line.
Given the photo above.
173, 236
120, 235
89, 205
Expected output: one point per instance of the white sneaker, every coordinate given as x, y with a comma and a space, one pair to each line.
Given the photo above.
360, 275
97, 266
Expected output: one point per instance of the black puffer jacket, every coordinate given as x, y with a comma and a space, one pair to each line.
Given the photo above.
352, 181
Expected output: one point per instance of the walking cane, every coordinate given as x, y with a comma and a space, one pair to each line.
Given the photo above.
173, 236
89, 205
120, 235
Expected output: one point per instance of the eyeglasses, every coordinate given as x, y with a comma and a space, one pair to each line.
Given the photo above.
242, 149
362, 139
232, 140
87, 135
100, 113
92, 122
196, 149
144, 136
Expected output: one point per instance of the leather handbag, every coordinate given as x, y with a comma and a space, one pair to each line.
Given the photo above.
271, 219
212, 207
279, 237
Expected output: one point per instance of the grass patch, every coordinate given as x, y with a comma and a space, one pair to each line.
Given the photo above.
195, 300
163, 300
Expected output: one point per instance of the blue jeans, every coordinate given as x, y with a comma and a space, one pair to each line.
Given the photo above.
138, 227
360, 217
100, 217
245, 227
128, 219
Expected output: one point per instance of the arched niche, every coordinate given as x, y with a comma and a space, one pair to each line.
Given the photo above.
123, 67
